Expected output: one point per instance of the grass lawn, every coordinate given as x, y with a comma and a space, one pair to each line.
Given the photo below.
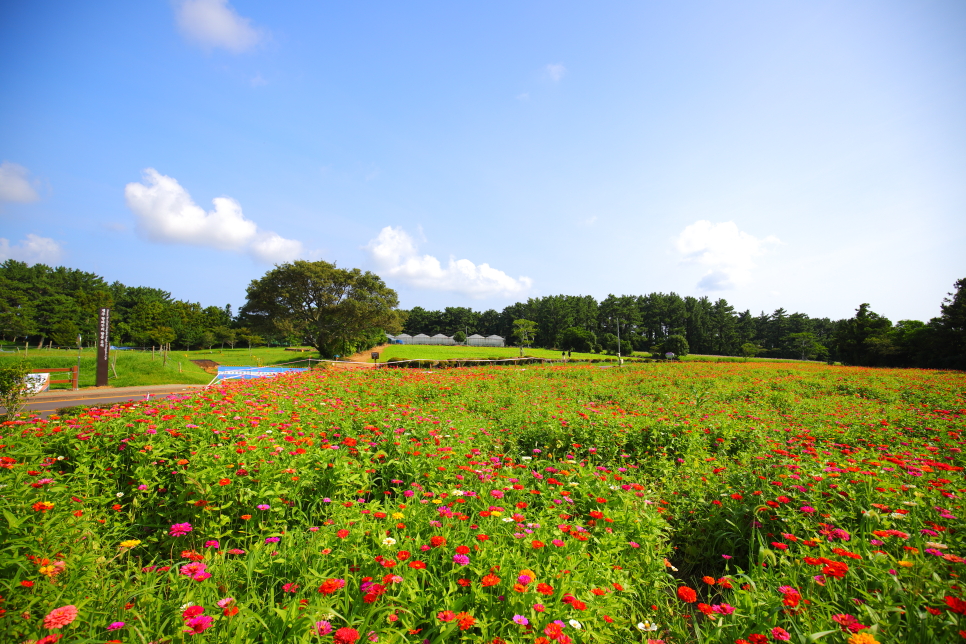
137, 368
134, 368
244, 357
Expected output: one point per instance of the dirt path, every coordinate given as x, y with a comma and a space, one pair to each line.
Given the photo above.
361, 360
364, 356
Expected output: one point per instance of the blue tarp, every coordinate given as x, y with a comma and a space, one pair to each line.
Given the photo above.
246, 373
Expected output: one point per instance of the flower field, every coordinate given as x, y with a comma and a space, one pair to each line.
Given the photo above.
694, 502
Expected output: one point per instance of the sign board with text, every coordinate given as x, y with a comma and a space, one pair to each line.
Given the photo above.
103, 346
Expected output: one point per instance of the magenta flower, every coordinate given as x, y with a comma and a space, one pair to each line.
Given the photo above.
115, 626
199, 624
462, 560
180, 529
521, 620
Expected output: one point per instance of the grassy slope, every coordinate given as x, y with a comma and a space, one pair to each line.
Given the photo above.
133, 368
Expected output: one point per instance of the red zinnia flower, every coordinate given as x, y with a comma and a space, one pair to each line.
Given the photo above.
346, 636
687, 595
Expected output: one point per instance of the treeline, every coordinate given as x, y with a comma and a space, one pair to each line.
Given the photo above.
659, 321
41, 305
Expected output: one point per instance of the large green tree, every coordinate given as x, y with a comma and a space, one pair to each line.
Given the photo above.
864, 340
333, 309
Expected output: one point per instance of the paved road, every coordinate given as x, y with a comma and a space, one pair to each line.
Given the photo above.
49, 402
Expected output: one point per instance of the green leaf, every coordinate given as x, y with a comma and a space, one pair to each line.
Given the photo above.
12, 520
814, 637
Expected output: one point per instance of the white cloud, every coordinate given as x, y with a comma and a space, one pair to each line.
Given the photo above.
556, 71
214, 23
524, 96
166, 213
726, 251
32, 250
15, 184
272, 248
395, 252
258, 81
590, 221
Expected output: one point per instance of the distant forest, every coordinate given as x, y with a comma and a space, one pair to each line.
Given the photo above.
40, 304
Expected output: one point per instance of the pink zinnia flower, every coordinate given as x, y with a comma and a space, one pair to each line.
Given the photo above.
322, 628
60, 617
199, 624
180, 529
115, 626
779, 634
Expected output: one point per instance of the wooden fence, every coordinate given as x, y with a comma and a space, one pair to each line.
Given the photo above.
72, 380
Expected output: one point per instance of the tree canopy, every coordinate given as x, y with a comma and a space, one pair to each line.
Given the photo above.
337, 311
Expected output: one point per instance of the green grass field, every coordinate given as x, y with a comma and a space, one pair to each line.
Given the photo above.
134, 368
138, 368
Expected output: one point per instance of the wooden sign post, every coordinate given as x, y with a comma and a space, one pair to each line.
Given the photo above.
103, 346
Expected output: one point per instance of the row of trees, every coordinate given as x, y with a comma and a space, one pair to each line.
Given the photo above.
340, 311
643, 322
658, 322
41, 305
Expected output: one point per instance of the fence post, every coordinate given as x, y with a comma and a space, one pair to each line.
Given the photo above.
74, 377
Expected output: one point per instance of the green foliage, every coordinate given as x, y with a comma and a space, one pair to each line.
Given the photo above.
807, 344
13, 380
524, 332
676, 344
459, 337
162, 335
41, 303
610, 344
750, 350
577, 339
331, 308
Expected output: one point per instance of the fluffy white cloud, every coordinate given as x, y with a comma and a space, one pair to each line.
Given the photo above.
214, 23
32, 250
15, 184
272, 248
556, 71
395, 252
166, 213
726, 251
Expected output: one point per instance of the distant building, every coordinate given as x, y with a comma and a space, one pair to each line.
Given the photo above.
446, 340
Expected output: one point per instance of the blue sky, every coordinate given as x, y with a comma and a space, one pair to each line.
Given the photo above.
805, 155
